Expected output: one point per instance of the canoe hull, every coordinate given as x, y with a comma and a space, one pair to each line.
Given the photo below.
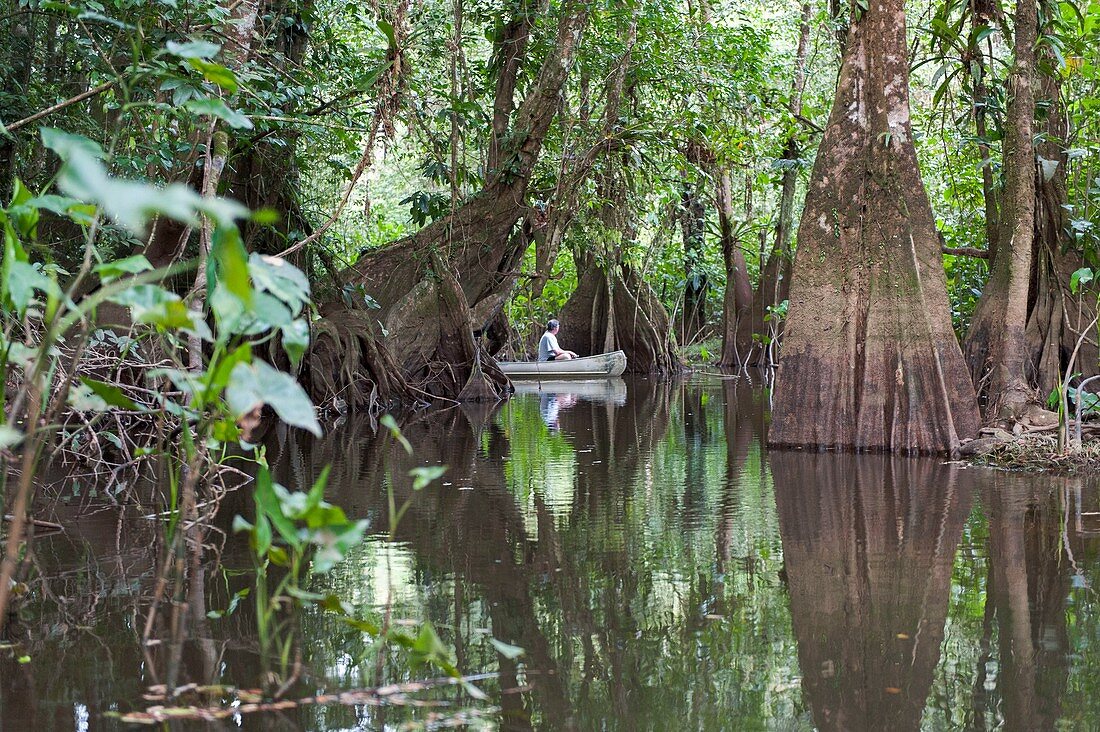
589, 367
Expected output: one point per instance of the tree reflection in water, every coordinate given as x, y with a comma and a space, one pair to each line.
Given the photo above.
868, 546
639, 557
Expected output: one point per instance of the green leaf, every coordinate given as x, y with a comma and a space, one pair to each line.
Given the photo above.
227, 251
325, 515
111, 394
1081, 277
424, 475
153, 305
506, 649
111, 271
333, 544
269, 505
428, 643
280, 278
72, 209
233, 603
22, 280
364, 626
217, 108
295, 340
193, 49
216, 74
262, 536
251, 385
225, 366
390, 424
225, 430
387, 30
65, 144
131, 203
317, 491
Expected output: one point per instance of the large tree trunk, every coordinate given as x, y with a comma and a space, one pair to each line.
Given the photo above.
981, 13
511, 49
1057, 318
476, 242
996, 345
869, 360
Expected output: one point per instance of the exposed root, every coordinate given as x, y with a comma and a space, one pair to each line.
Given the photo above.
347, 368
1038, 452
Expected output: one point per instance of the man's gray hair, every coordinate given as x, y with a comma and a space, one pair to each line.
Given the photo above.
552, 323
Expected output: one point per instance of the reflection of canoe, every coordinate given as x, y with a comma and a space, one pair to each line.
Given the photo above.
604, 364
610, 390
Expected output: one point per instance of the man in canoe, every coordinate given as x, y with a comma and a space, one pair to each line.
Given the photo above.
549, 350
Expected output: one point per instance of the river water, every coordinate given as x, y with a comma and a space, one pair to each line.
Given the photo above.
653, 565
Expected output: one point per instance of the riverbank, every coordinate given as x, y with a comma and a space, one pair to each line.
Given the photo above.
1035, 453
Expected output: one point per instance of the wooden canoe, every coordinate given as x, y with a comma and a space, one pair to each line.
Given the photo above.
588, 367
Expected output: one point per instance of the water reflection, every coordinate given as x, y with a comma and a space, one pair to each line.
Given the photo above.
1028, 588
658, 567
868, 554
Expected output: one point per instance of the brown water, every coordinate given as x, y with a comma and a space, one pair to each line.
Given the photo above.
658, 567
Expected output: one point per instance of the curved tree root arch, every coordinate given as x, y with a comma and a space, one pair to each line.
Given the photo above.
613, 308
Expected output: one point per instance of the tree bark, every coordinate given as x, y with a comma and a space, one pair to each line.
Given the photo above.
869, 360
996, 346
738, 297
1058, 317
980, 15
614, 308
775, 276
477, 240
511, 49
693, 223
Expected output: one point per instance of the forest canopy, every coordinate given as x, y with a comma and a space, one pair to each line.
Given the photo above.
448, 175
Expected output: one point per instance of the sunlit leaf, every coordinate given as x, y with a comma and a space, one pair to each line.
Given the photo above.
193, 49
215, 74
217, 108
